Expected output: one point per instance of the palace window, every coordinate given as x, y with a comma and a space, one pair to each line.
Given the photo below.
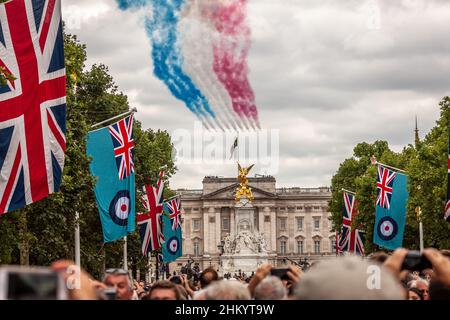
300, 246
333, 245
283, 247
196, 248
266, 218
317, 247
282, 223
299, 223
316, 223
225, 223
196, 225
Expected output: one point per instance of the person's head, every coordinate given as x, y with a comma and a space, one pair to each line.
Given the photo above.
379, 257
119, 279
348, 278
142, 284
163, 290
270, 288
438, 290
423, 286
227, 290
415, 294
208, 276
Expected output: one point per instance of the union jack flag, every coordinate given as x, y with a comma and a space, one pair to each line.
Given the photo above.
351, 240
122, 136
175, 211
33, 106
151, 222
385, 182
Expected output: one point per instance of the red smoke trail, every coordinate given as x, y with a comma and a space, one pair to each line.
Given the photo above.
230, 55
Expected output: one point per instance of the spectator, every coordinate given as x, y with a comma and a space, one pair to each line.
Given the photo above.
208, 276
227, 290
119, 279
439, 291
421, 285
379, 257
440, 283
347, 279
270, 288
163, 290
414, 294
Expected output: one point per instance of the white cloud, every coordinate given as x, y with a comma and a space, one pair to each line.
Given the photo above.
327, 74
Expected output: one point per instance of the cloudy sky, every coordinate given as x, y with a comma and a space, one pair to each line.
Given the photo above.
327, 74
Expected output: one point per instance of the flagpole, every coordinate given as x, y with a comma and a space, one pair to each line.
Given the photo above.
348, 191
419, 218
77, 214
77, 240
134, 110
388, 166
125, 254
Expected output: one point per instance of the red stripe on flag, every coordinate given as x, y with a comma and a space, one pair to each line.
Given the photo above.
46, 23
12, 179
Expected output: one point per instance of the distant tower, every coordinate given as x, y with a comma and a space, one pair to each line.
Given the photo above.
417, 138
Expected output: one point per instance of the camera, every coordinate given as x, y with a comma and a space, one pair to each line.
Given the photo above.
110, 293
415, 261
280, 273
23, 283
176, 280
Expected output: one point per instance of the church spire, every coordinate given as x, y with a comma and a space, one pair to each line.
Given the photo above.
417, 138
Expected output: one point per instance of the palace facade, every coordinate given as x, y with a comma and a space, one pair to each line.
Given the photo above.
294, 221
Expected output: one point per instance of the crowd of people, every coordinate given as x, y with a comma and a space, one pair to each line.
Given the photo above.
379, 276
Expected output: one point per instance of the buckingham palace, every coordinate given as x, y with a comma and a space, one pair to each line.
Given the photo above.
293, 221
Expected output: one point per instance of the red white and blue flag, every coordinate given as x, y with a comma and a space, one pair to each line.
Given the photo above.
385, 183
150, 222
351, 240
175, 211
122, 134
33, 106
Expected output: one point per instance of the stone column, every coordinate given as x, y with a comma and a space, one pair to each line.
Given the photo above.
261, 220
218, 231
232, 224
205, 232
273, 229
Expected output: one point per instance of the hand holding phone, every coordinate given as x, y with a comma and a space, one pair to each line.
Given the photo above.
280, 273
20, 283
415, 261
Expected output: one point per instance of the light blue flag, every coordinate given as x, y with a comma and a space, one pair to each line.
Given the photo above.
111, 149
171, 220
391, 208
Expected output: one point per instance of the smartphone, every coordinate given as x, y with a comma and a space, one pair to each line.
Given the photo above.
23, 283
176, 280
415, 261
280, 273
110, 293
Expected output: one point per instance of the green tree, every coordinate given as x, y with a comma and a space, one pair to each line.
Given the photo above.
425, 164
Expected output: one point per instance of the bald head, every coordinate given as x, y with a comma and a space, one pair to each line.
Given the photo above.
348, 278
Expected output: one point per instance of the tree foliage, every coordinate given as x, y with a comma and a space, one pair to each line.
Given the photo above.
44, 231
426, 165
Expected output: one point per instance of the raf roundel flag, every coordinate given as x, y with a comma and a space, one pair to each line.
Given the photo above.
392, 190
111, 149
172, 247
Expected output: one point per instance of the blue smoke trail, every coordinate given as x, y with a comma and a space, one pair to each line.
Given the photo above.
167, 60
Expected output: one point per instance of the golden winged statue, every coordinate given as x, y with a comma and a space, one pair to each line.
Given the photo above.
244, 191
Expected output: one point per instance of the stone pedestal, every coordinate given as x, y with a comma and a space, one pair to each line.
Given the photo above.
245, 250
